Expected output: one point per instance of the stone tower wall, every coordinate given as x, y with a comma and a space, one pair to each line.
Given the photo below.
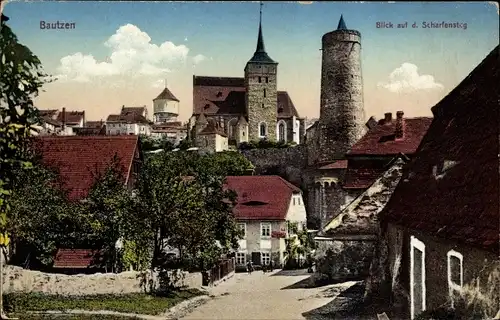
342, 116
260, 108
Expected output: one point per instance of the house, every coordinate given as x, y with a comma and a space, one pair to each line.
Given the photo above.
78, 158
338, 183
142, 111
212, 137
51, 125
173, 131
440, 229
78, 261
345, 246
127, 122
71, 118
265, 207
92, 128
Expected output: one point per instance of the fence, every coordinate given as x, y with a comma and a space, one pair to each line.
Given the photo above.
219, 271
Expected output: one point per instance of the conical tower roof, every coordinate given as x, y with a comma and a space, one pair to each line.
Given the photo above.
341, 25
260, 55
166, 95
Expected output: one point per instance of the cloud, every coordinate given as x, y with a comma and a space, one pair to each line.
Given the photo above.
132, 53
407, 79
198, 58
158, 84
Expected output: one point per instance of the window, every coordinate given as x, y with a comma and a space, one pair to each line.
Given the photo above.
293, 201
267, 79
243, 227
265, 230
260, 79
262, 130
241, 258
262, 106
265, 93
455, 272
265, 258
281, 132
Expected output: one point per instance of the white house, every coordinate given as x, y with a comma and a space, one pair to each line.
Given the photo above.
127, 123
264, 207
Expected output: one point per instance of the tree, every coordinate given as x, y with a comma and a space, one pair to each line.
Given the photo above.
299, 245
21, 78
44, 220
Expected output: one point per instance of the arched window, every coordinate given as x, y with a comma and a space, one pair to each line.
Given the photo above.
232, 129
281, 132
262, 130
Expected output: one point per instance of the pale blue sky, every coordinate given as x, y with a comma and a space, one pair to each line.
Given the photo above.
225, 33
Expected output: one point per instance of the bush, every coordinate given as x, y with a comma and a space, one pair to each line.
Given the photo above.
265, 144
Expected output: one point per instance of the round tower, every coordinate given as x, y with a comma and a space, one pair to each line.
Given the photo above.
165, 106
342, 115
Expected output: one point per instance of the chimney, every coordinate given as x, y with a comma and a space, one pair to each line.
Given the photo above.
387, 117
372, 123
64, 118
123, 107
399, 125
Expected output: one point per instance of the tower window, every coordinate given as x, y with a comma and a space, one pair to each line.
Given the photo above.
265, 93
267, 79
219, 94
260, 79
262, 105
262, 130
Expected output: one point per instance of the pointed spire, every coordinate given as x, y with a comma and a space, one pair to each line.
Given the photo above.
260, 54
341, 25
165, 82
260, 40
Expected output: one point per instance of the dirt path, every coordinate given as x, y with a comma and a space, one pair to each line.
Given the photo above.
266, 296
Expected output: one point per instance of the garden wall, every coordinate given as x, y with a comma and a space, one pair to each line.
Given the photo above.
17, 279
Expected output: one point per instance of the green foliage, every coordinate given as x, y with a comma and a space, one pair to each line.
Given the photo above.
136, 256
185, 144
41, 218
265, 144
127, 303
299, 244
190, 214
48, 316
151, 144
21, 78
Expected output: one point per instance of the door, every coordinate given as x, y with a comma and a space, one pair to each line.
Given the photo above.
256, 258
417, 277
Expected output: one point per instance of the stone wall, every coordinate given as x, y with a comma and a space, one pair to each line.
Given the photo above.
286, 162
343, 260
17, 279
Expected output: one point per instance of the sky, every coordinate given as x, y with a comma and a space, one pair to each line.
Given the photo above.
122, 53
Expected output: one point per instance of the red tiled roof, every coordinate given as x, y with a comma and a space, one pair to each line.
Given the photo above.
457, 202
225, 95
48, 113
94, 124
76, 258
128, 117
72, 117
78, 158
380, 140
361, 178
212, 128
168, 125
339, 164
167, 95
261, 197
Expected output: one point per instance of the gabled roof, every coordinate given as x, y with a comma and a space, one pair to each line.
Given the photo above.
77, 258
48, 113
166, 94
451, 188
226, 95
49, 120
138, 110
78, 158
360, 216
212, 128
129, 117
380, 141
72, 117
261, 197
338, 164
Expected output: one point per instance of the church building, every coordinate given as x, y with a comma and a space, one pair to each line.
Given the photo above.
246, 109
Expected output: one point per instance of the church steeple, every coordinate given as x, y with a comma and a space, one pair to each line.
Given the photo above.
260, 54
341, 25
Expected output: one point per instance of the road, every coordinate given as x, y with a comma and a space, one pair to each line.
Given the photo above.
266, 296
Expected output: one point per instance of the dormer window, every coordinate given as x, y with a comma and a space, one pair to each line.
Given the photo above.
219, 94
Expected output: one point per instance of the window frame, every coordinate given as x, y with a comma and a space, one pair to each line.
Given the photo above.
419, 245
240, 224
262, 225
262, 125
268, 257
452, 286
238, 256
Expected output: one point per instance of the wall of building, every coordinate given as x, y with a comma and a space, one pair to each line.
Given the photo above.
253, 242
477, 264
17, 279
297, 210
221, 143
